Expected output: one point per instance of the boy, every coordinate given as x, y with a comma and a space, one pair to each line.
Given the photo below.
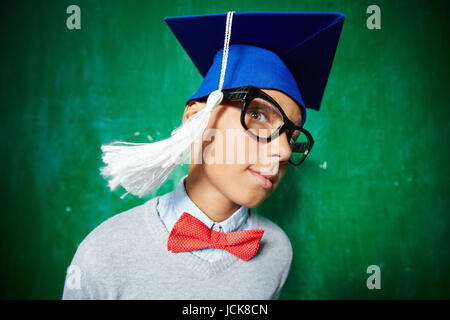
203, 241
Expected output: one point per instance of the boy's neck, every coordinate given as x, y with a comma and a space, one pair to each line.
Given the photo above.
207, 197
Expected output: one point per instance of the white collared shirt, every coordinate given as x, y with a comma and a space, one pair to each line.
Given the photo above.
172, 205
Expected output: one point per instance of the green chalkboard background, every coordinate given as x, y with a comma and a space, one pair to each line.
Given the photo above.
374, 191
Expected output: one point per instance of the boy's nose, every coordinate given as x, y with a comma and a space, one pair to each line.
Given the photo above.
280, 147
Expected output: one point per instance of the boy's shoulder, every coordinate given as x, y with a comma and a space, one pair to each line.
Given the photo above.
118, 233
106, 251
274, 238
119, 224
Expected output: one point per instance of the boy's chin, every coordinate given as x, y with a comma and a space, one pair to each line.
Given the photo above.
251, 206
252, 201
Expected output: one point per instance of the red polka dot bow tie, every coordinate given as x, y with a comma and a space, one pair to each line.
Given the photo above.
189, 234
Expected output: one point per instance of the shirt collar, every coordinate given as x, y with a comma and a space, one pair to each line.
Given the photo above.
182, 203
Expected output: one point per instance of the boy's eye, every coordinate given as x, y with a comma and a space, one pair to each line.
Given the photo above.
262, 118
257, 115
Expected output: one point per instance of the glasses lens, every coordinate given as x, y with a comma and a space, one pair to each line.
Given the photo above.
262, 118
300, 146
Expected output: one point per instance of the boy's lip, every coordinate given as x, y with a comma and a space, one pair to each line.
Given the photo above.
268, 176
264, 182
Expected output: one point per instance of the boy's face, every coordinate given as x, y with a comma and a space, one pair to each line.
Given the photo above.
229, 171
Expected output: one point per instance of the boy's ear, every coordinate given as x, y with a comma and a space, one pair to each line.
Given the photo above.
191, 108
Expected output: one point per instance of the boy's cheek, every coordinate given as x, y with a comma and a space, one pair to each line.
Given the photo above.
236, 183
282, 172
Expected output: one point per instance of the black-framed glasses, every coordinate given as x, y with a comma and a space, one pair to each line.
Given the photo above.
264, 119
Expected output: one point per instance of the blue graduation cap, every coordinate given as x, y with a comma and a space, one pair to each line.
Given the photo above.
288, 51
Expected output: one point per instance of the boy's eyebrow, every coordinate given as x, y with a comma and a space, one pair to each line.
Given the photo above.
298, 117
263, 104
298, 121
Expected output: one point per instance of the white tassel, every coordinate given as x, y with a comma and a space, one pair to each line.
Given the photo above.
143, 167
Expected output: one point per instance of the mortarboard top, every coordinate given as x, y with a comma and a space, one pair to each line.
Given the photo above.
289, 51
